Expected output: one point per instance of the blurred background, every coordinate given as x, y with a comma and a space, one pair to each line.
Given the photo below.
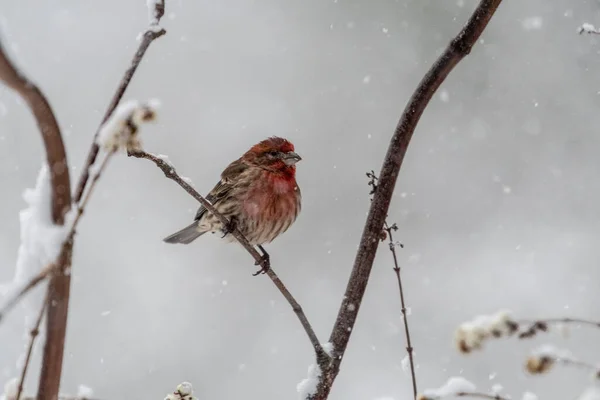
497, 200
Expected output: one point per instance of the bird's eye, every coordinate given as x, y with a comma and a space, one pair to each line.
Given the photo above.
273, 154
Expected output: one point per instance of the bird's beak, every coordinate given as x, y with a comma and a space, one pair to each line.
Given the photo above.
291, 158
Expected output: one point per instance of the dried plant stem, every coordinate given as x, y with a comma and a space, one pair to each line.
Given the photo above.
409, 349
558, 321
572, 362
149, 36
458, 48
32, 336
482, 395
169, 171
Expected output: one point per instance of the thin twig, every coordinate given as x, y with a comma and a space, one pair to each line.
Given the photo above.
152, 33
169, 171
409, 349
33, 282
482, 395
458, 48
388, 232
32, 336
556, 321
533, 327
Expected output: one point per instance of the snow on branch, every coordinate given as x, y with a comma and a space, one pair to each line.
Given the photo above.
41, 238
588, 28
452, 387
184, 391
308, 386
545, 357
156, 9
472, 334
120, 131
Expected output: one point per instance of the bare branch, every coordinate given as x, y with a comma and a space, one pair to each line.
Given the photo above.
409, 349
152, 33
542, 325
169, 171
458, 48
388, 232
55, 150
482, 395
61, 203
32, 336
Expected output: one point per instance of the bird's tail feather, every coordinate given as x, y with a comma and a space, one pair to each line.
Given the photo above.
185, 236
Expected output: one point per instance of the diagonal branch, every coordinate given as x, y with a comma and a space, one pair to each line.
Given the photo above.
153, 32
169, 171
58, 290
458, 48
32, 336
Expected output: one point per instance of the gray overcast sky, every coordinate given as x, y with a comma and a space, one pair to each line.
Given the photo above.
497, 200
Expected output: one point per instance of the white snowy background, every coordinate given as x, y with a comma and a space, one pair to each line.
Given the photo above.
497, 201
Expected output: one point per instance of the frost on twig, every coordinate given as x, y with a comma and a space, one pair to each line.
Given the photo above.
120, 131
308, 386
588, 28
184, 391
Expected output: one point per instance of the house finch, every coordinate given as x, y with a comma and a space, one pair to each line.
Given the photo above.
257, 193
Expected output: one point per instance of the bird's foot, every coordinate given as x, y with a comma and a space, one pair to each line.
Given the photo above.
264, 262
230, 227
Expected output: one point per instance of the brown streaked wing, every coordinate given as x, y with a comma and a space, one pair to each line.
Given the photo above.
228, 177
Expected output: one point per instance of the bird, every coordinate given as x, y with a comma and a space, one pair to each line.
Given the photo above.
257, 193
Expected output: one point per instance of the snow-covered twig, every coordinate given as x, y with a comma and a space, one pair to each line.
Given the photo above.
169, 170
453, 386
545, 357
471, 335
457, 387
184, 391
156, 9
588, 28
120, 131
152, 33
32, 336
